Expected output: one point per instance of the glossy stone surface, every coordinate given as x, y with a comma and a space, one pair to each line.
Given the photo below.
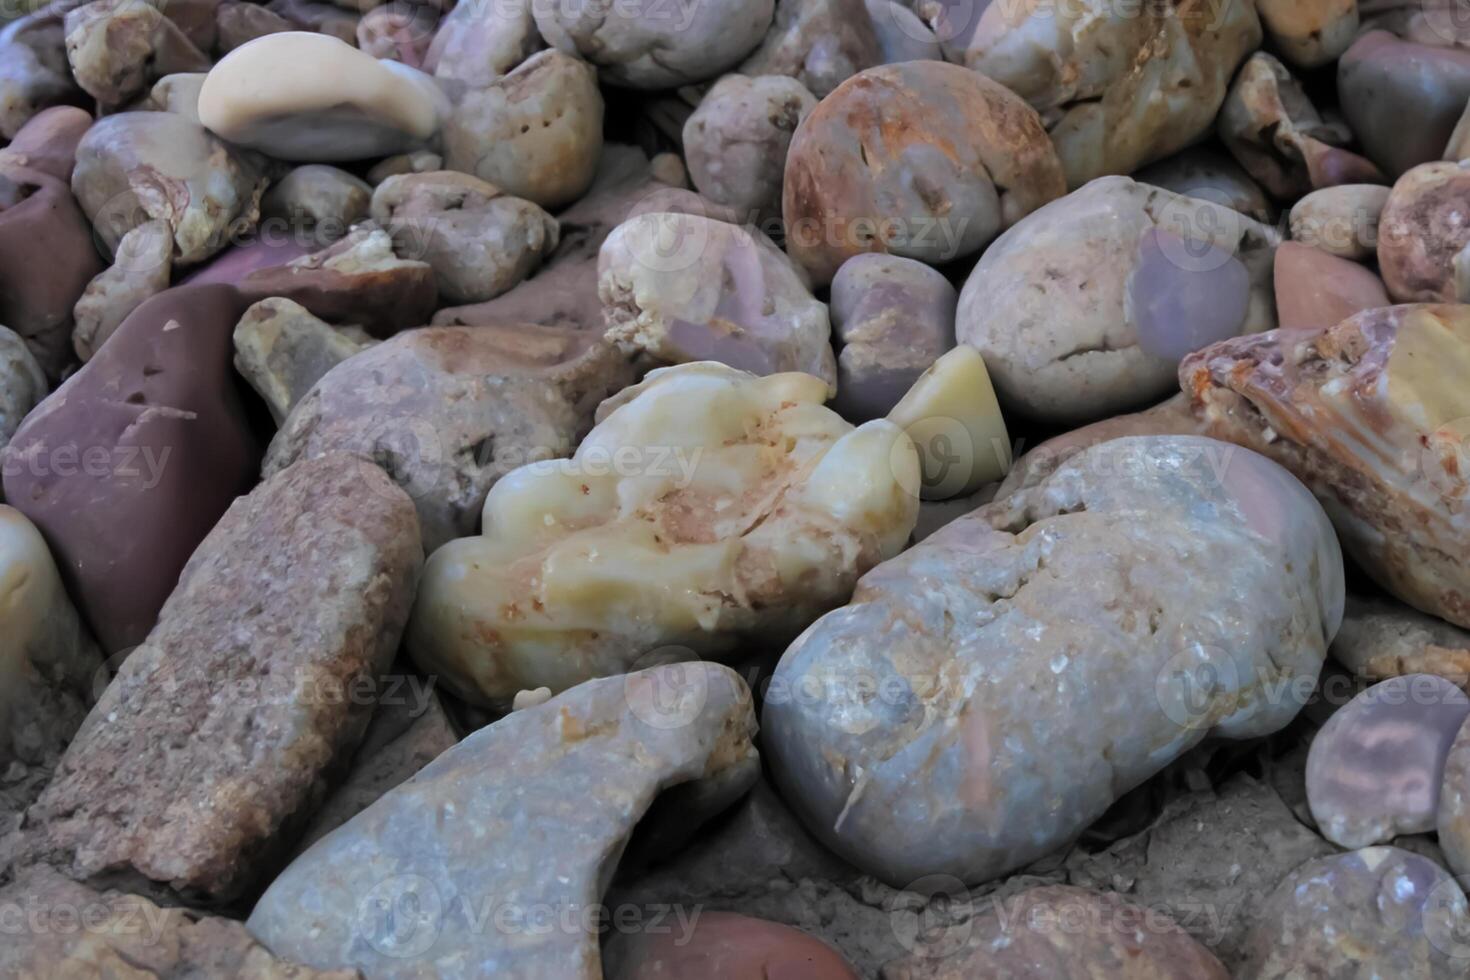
1375, 768
1181, 307
1402, 99
1316, 290
954, 420
990, 692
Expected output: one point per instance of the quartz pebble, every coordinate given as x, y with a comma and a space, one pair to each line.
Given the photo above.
952, 417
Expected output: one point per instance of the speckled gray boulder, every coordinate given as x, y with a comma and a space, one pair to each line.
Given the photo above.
522, 820
989, 693
1378, 912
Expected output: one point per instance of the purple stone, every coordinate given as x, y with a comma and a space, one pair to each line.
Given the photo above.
1185, 295
1374, 770
235, 263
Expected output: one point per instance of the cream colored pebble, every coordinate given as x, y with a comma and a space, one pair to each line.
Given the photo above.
952, 416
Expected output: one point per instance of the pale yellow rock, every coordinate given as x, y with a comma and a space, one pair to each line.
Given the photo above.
313, 98
952, 416
709, 508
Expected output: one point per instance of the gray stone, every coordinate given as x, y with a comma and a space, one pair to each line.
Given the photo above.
22, 383
140, 269
282, 350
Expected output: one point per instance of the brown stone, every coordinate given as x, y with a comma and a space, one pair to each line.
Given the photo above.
1318, 290
1382, 638
723, 946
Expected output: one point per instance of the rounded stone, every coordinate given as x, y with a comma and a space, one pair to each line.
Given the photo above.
1340, 220
725, 946
1180, 307
1315, 289
1425, 224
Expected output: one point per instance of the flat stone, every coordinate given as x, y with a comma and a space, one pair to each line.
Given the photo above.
1382, 638
219, 731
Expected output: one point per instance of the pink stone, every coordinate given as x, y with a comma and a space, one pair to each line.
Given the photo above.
1317, 290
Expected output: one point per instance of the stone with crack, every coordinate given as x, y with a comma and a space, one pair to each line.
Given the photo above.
640, 48
217, 736
535, 132
141, 268
1422, 231
531, 813
134, 458
820, 43
22, 384
1371, 416
683, 287
1379, 911
1402, 99
282, 350
1119, 86
708, 509
1375, 768
138, 166
736, 140
312, 98
723, 946
119, 48
922, 159
448, 411
1382, 638
992, 691
1084, 307
1056, 932
479, 241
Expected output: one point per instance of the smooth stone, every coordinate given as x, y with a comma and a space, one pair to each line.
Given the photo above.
1037, 659
1207, 173
1422, 229
479, 42
891, 317
48, 142
398, 31
1453, 819
1402, 99
954, 420
502, 825
240, 261
902, 35
820, 43
282, 351
684, 288
222, 728
22, 384
311, 98
118, 48
132, 461
1180, 307
1375, 768
317, 196
177, 93
453, 409
141, 269
1317, 290
1341, 221
1380, 911
724, 946
241, 23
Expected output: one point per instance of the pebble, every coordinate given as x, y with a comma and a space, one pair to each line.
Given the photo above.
1341, 220
1318, 290
723, 946
1422, 230
820, 43
1402, 99
282, 351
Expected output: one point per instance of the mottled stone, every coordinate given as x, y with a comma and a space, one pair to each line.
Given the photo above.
892, 317
478, 42
119, 48
1422, 228
1375, 768
735, 142
1091, 66
69, 930
1371, 415
1206, 173
708, 510
1059, 932
22, 383
1066, 305
48, 142
1309, 33
966, 159
282, 351
34, 74
136, 456
216, 737
499, 830
1402, 99
318, 195
688, 288
990, 692
141, 267
723, 946
1341, 221
1380, 911
479, 241
450, 410
1382, 638
1316, 290
1278, 136
820, 43
398, 31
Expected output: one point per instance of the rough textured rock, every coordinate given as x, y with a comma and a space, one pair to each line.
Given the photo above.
1371, 416
820, 43
282, 351
141, 267
82, 934
892, 318
955, 158
735, 142
119, 48
1309, 33
1341, 221
1084, 307
1453, 819
1375, 768
312, 98
48, 142
450, 410
1382, 638
220, 729
1276, 133
1122, 85
1317, 290
479, 241
707, 510
22, 384
131, 462
1380, 911
1402, 99
536, 133
501, 827
642, 47
958, 719
1058, 932
137, 166
683, 287
723, 946
1422, 231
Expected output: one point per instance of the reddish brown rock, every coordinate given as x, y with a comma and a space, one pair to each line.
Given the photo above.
215, 739
1317, 290
1372, 414
820, 43
118, 49
48, 142
724, 946
1422, 230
